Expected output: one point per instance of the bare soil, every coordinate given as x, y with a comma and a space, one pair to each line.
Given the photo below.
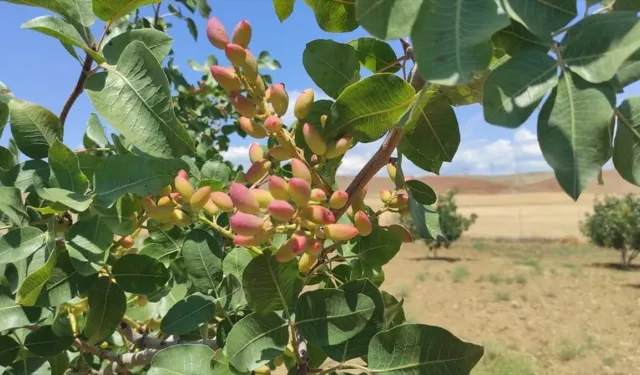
539, 308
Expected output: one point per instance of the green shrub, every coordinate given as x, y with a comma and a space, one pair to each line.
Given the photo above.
614, 224
452, 223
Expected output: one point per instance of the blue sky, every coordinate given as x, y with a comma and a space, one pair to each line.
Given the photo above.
36, 68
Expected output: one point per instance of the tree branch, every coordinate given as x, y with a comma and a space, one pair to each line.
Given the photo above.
77, 90
382, 155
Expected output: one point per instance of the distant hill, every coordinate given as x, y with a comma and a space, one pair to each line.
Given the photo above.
537, 182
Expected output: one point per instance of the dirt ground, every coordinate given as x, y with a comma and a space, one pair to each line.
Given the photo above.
538, 308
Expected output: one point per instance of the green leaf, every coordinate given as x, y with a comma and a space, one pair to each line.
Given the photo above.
574, 131
283, 8
216, 174
111, 10
139, 175
44, 342
11, 205
74, 10
159, 252
378, 248
74, 201
421, 192
451, 41
90, 235
270, 285
140, 274
370, 107
5, 97
187, 315
11, 314
135, 98
88, 164
334, 16
202, 256
515, 38
436, 351
426, 219
185, 359
107, 305
121, 218
230, 294
7, 159
64, 284
626, 148
193, 29
29, 366
9, 350
95, 130
19, 243
628, 73
434, 138
375, 55
236, 261
621, 5
158, 42
34, 128
387, 19
66, 167
597, 46
22, 175
330, 316
514, 89
332, 66
255, 340
63, 31
31, 286
357, 346
393, 311
540, 16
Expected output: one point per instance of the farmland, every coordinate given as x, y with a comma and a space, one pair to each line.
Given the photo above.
523, 281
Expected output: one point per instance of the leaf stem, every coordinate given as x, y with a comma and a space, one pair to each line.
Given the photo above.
77, 90
216, 227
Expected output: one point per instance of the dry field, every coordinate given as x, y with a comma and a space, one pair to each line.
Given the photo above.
538, 308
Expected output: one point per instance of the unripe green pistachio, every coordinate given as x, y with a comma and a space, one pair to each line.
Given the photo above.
281, 210
164, 191
306, 262
300, 191
148, 204
200, 198
392, 171
216, 33
256, 240
255, 152
252, 128
314, 139
259, 87
210, 208
273, 124
246, 224
338, 147
222, 200
278, 98
180, 219
250, 68
314, 247
323, 121
226, 78
242, 34
399, 201
304, 104
257, 170
183, 187
300, 170
244, 106
242, 198
338, 199
317, 214
263, 197
340, 232
236, 54
279, 188
318, 195
279, 153
285, 253
385, 195
363, 223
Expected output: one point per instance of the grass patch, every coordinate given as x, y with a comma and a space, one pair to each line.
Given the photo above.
609, 360
502, 295
478, 246
521, 279
459, 274
421, 277
569, 350
533, 263
494, 278
500, 361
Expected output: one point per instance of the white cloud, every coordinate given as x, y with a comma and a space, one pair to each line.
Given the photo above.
237, 155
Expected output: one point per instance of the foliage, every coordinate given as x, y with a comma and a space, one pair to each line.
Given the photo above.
614, 224
220, 283
452, 223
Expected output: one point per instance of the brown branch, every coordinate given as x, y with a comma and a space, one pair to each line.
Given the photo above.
77, 90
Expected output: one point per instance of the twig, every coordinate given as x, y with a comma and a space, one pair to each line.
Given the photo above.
156, 14
77, 90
